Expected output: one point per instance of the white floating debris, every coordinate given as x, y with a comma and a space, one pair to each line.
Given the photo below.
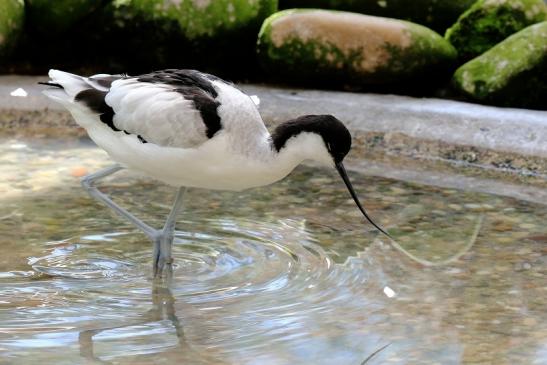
210, 308
19, 92
18, 146
255, 99
389, 292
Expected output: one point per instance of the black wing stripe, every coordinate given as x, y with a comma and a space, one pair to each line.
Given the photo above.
207, 108
94, 100
105, 81
194, 86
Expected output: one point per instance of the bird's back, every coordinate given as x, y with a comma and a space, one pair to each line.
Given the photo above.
171, 108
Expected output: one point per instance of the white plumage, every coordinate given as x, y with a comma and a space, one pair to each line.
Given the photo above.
157, 113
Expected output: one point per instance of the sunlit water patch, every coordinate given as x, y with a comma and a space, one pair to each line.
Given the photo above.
285, 274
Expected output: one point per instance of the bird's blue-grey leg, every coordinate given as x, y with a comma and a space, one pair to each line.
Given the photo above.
88, 182
162, 239
164, 242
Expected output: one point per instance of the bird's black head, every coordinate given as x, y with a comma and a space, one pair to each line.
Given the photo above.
333, 132
337, 141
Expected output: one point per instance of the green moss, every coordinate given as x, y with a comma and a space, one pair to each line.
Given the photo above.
11, 23
489, 22
207, 18
429, 50
513, 73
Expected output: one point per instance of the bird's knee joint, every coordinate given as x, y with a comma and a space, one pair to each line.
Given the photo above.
86, 182
155, 236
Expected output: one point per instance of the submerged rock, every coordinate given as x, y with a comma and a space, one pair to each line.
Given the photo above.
513, 73
11, 23
488, 22
53, 17
340, 47
436, 14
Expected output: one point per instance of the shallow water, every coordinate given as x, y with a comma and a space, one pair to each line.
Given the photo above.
286, 274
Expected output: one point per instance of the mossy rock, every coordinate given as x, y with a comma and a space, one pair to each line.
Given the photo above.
11, 23
126, 36
214, 35
334, 47
488, 22
512, 73
54, 17
207, 18
435, 14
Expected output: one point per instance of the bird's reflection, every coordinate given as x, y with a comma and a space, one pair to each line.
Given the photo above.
163, 308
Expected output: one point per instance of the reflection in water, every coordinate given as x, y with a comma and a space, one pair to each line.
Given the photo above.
163, 308
281, 275
465, 249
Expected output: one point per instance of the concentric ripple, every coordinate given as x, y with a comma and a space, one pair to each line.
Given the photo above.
229, 258
235, 259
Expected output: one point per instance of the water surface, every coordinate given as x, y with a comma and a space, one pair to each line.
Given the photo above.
285, 274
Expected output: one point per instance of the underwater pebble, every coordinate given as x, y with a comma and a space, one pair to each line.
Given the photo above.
78, 171
398, 191
505, 239
501, 268
523, 251
408, 229
530, 321
454, 271
473, 206
438, 212
502, 226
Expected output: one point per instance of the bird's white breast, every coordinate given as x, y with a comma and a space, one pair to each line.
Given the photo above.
213, 165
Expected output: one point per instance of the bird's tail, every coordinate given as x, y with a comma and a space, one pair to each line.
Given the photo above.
64, 86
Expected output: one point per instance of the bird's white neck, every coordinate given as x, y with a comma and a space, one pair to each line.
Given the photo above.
265, 165
304, 146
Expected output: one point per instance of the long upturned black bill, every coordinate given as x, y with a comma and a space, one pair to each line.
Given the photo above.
344, 175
